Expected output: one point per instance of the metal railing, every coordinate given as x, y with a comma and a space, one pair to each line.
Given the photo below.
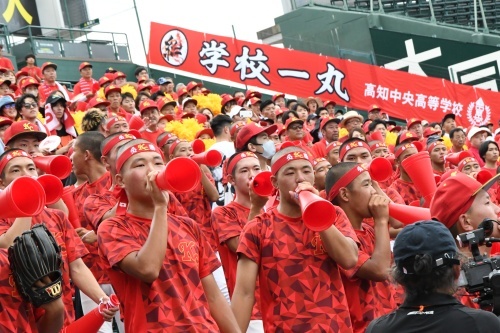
478, 15
64, 42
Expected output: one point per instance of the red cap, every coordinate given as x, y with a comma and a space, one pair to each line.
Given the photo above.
112, 88
407, 136
328, 102
249, 131
412, 122
182, 91
254, 100
28, 82
226, 98
22, 127
84, 64
5, 121
374, 107
291, 120
366, 125
48, 64
103, 80
205, 91
168, 117
326, 120
240, 101
205, 131
191, 85
252, 93
96, 101
119, 75
165, 101
7, 82
21, 72
446, 206
201, 118
430, 131
276, 96
142, 86
188, 115
391, 128
236, 128
147, 104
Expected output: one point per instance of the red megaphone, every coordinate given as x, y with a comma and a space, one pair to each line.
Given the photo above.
408, 214
198, 146
455, 158
419, 169
93, 320
261, 184
419, 145
380, 169
69, 201
22, 198
377, 136
57, 165
318, 214
135, 123
181, 174
53, 188
211, 158
484, 176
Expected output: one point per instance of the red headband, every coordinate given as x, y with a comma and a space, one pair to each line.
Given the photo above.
165, 139
377, 145
433, 145
111, 143
238, 158
114, 120
292, 156
402, 148
13, 154
135, 149
465, 161
332, 145
174, 144
346, 180
318, 160
352, 145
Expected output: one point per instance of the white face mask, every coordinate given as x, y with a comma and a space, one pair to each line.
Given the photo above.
269, 149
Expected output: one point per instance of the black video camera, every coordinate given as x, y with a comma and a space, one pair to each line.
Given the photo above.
481, 274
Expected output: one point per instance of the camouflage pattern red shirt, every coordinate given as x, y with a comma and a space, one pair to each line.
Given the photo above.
72, 248
16, 315
175, 302
367, 299
93, 261
300, 285
407, 190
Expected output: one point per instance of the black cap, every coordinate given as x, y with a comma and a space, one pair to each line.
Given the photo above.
312, 116
139, 69
425, 237
446, 116
111, 70
53, 99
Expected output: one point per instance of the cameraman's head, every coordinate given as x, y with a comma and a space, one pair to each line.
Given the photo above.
461, 203
426, 259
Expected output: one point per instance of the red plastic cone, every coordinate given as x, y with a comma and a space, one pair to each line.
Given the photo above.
67, 197
181, 174
318, 214
262, 185
92, 321
408, 214
455, 158
23, 197
380, 169
53, 188
135, 133
419, 168
135, 123
57, 165
211, 158
377, 136
419, 145
198, 146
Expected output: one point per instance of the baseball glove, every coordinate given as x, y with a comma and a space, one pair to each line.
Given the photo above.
35, 261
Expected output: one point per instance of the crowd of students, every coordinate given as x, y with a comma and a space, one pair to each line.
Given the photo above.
221, 257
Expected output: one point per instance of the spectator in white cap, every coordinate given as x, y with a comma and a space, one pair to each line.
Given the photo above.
351, 120
476, 136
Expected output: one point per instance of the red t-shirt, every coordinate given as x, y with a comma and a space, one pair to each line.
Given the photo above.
300, 285
175, 302
93, 261
45, 89
35, 72
319, 148
84, 86
367, 299
96, 205
407, 190
199, 208
394, 195
152, 136
72, 248
6, 63
228, 222
16, 315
